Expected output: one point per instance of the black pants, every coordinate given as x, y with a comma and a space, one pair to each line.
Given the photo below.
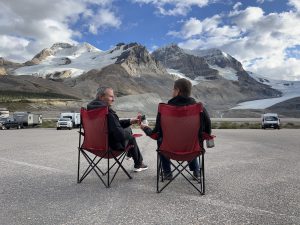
133, 152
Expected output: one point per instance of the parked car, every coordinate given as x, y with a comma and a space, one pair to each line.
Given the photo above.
270, 120
7, 123
64, 123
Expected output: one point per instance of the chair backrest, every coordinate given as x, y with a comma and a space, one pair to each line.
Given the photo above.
180, 128
94, 123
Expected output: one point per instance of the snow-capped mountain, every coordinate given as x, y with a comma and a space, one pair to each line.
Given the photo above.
177, 61
219, 79
63, 60
221, 61
203, 66
289, 90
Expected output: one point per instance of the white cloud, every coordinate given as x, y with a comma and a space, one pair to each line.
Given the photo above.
262, 1
192, 27
295, 4
153, 48
104, 18
16, 46
178, 7
41, 23
237, 5
260, 41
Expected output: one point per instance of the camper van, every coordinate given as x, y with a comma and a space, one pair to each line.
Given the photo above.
270, 120
4, 113
28, 119
75, 117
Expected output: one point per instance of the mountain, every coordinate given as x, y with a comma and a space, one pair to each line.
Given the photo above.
63, 60
289, 89
6, 66
219, 80
134, 71
176, 59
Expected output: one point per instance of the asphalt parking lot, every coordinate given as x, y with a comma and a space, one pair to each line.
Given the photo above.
252, 177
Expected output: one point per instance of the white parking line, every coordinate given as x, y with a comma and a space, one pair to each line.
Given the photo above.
32, 165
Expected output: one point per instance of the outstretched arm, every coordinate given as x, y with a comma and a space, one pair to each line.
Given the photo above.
153, 133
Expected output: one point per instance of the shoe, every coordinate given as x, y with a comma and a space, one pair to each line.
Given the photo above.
140, 168
167, 176
196, 175
128, 156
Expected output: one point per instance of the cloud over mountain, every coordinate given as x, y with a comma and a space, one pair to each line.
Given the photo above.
261, 41
262, 34
30, 26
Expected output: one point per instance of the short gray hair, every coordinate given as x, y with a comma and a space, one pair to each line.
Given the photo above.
101, 91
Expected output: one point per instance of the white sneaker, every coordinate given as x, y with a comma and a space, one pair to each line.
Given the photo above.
140, 168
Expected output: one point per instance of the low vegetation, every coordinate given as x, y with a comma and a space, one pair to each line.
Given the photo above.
49, 123
25, 97
239, 125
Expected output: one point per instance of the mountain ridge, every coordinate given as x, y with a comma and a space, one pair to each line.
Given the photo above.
219, 80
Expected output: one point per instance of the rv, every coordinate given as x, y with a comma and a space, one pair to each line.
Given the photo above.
28, 119
75, 117
4, 113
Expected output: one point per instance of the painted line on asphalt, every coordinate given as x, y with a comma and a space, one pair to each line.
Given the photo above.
32, 165
237, 207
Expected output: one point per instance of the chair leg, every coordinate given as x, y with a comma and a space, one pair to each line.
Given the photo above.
120, 164
108, 183
158, 172
78, 165
180, 168
202, 175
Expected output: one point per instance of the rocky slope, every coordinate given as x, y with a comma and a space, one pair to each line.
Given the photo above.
78, 70
7, 66
173, 57
231, 83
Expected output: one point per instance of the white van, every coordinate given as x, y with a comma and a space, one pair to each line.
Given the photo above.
270, 120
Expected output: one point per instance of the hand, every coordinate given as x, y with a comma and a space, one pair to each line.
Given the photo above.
134, 120
142, 126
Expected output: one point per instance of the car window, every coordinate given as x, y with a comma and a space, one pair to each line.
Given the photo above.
271, 118
64, 119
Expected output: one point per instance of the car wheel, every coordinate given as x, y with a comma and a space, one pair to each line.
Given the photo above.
2, 128
19, 127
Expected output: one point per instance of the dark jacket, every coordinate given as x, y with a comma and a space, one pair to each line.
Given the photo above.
156, 133
116, 133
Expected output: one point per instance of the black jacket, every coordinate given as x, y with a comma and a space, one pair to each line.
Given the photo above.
116, 133
156, 133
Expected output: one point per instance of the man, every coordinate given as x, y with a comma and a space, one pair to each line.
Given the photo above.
120, 134
181, 97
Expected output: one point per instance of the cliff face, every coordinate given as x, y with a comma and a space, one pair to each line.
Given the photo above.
192, 66
7, 66
136, 60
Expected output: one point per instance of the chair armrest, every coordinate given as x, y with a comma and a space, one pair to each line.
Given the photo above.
137, 135
207, 136
82, 133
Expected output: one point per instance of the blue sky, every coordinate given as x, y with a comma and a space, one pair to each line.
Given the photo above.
263, 34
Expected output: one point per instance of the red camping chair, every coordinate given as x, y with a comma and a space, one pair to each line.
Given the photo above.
94, 130
180, 127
